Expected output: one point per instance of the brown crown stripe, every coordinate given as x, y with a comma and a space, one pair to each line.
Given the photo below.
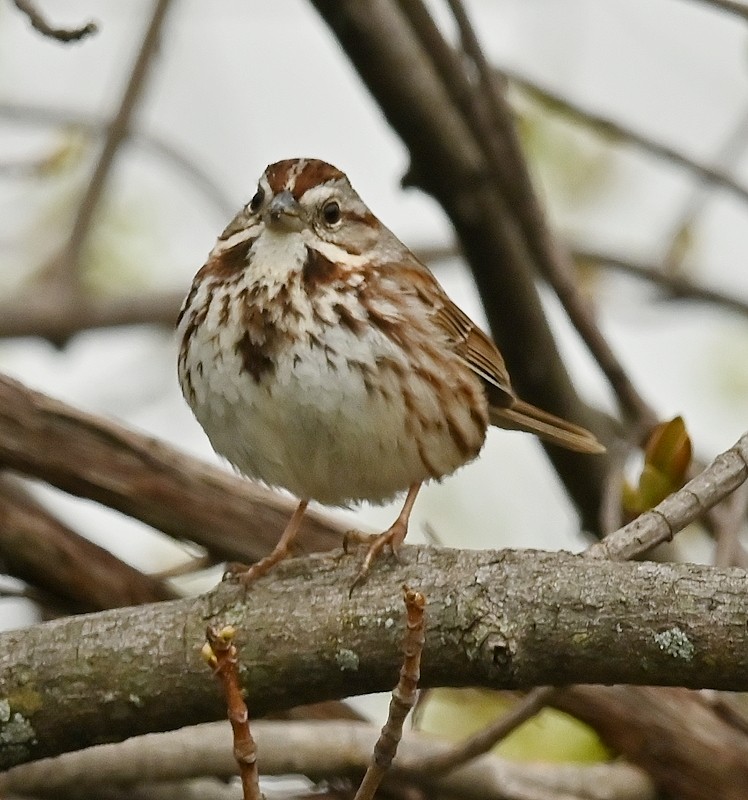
314, 173
278, 174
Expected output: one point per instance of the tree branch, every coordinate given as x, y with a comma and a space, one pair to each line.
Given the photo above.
38, 548
619, 132
57, 318
690, 751
65, 266
59, 34
498, 619
98, 459
380, 43
319, 750
676, 285
496, 130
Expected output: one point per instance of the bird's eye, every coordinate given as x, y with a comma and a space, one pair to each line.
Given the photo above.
256, 201
331, 212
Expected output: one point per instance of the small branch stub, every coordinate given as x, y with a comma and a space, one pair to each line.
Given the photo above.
403, 696
58, 34
221, 654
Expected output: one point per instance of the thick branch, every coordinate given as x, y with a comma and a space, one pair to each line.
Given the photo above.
690, 751
58, 318
38, 548
447, 162
98, 459
319, 750
498, 619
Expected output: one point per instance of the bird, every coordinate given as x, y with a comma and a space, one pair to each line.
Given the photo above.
320, 356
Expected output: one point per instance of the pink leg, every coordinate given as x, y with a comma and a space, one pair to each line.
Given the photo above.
281, 550
393, 537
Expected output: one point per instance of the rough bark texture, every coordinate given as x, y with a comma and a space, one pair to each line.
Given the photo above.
146, 479
670, 734
498, 619
39, 549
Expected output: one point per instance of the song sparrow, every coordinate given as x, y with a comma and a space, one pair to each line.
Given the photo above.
322, 357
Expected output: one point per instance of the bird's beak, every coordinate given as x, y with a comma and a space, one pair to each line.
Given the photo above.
285, 213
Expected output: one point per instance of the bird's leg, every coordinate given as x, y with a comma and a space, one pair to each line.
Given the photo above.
393, 537
264, 565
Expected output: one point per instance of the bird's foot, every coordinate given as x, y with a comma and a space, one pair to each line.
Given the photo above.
392, 538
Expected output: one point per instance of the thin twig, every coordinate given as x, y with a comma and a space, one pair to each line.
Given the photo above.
97, 126
221, 654
724, 475
732, 6
726, 159
487, 738
552, 260
58, 34
65, 266
675, 285
403, 696
618, 131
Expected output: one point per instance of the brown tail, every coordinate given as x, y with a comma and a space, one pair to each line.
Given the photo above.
522, 416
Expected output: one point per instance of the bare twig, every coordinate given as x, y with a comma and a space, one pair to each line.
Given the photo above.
487, 738
320, 750
728, 520
96, 126
65, 267
58, 34
403, 696
676, 285
220, 652
507, 161
725, 160
731, 6
621, 132
727, 472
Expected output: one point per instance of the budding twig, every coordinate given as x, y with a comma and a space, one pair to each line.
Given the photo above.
220, 653
403, 696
